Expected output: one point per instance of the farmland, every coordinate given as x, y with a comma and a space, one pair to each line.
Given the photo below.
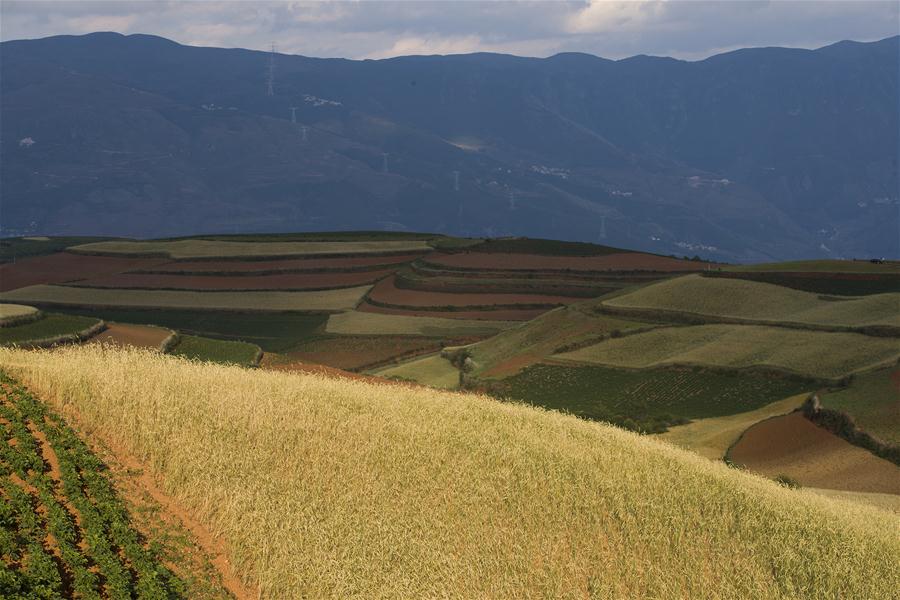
329, 300
367, 323
63, 266
649, 400
271, 267
760, 302
817, 354
197, 248
290, 281
11, 314
49, 327
635, 506
220, 351
66, 531
873, 401
141, 336
360, 352
506, 314
620, 261
822, 282
791, 445
432, 371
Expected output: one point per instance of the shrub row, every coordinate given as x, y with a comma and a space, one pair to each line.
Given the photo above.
843, 425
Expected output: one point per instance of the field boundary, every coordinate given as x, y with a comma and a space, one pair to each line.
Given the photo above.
844, 426
68, 338
462, 308
31, 317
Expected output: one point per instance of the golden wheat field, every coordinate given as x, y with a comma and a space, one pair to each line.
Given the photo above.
325, 300
813, 353
751, 300
185, 249
335, 488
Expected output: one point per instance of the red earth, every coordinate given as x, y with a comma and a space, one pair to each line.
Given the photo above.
283, 281
294, 264
63, 267
386, 292
626, 261
478, 315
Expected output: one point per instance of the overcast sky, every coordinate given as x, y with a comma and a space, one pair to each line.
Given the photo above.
373, 29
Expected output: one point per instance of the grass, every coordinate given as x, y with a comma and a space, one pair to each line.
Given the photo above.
818, 354
218, 351
337, 488
273, 332
762, 302
530, 342
432, 371
649, 400
872, 401
711, 437
328, 300
50, 326
66, 533
199, 249
365, 323
14, 249
17, 313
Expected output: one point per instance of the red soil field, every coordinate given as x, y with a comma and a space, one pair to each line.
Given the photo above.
478, 315
792, 445
63, 266
141, 336
298, 264
630, 261
284, 281
358, 352
388, 293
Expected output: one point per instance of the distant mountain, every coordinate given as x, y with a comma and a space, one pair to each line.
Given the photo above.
767, 153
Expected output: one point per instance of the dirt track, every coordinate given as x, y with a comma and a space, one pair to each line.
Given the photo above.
792, 445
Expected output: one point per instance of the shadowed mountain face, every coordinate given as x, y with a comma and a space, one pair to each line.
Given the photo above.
757, 154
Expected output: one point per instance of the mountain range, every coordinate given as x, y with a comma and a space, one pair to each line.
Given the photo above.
756, 154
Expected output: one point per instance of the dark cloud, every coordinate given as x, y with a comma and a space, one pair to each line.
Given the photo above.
371, 29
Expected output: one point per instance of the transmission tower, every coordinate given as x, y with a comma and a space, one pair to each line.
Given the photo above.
603, 227
303, 130
456, 181
270, 73
294, 114
384, 167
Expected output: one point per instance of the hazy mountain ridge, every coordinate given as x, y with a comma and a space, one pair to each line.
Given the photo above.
758, 153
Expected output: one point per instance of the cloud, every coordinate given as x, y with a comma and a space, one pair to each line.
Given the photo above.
374, 29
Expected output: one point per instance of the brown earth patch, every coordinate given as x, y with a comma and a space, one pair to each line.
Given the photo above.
140, 336
354, 353
523, 314
626, 261
284, 281
293, 265
387, 292
64, 267
792, 445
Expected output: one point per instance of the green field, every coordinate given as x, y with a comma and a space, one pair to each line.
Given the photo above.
365, 323
220, 351
763, 302
273, 332
65, 531
211, 249
818, 354
534, 340
49, 327
432, 371
648, 400
327, 300
14, 249
873, 401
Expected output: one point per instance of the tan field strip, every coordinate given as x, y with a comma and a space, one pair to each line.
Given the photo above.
432, 371
813, 353
764, 302
712, 437
16, 312
139, 336
335, 488
366, 323
185, 249
327, 300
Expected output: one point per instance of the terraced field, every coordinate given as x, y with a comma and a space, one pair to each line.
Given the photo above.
506, 314
432, 371
197, 248
218, 351
272, 267
11, 314
618, 261
64, 266
650, 400
873, 401
50, 327
329, 300
138, 336
283, 281
387, 294
367, 323
358, 352
66, 532
822, 282
761, 302
810, 353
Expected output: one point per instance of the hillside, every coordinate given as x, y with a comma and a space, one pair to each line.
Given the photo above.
757, 154
337, 488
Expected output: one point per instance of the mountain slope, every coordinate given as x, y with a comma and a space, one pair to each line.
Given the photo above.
755, 154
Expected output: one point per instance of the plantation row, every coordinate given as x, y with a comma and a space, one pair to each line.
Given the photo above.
65, 532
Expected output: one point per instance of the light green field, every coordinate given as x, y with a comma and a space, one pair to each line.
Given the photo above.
16, 312
517, 347
364, 323
432, 371
713, 436
326, 300
212, 249
812, 353
50, 327
220, 351
821, 266
873, 400
754, 301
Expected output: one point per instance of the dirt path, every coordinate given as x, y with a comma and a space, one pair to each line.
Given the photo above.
791, 445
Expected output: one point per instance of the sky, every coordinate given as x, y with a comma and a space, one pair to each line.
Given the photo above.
687, 29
